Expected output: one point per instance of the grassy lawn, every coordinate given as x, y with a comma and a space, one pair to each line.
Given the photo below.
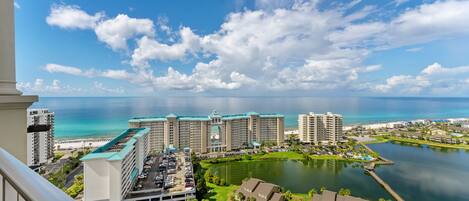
300, 197
280, 155
335, 157
221, 193
429, 143
277, 155
378, 139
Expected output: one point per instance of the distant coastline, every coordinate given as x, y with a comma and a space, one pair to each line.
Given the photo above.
97, 140
105, 117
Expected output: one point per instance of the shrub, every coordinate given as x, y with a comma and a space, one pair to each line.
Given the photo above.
77, 186
222, 182
216, 180
345, 191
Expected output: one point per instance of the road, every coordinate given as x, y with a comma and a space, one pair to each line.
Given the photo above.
71, 177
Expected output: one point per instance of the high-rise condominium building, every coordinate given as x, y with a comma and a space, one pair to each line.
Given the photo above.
40, 138
111, 170
320, 128
213, 132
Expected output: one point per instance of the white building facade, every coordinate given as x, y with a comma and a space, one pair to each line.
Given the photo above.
320, 128
213, 132
40, 136
111, 170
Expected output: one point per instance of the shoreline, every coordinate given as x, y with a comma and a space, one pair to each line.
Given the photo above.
288, 130
427, 143
80, 143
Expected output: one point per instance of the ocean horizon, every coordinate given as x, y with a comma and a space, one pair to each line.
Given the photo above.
93, 117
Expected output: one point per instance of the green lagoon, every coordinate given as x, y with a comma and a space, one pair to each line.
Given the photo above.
420, 173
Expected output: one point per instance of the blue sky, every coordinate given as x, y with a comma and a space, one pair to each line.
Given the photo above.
242, 48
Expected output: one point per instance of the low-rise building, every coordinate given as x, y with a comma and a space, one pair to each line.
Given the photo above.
444, 139
40, 136
111, 170
333, 196
260, 190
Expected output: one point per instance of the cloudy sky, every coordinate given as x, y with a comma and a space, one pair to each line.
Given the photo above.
243, 48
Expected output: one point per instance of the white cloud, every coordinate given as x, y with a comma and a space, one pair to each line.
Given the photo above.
40, 86
150, 49
291, 46
56, 68
100, 87
436, 68
400, 2
116, 74
415, 49
432, 80
116, 31
425, 23
108, 73
72, 17
16, 4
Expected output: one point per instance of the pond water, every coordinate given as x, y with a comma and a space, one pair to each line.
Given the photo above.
425, 173
419, 173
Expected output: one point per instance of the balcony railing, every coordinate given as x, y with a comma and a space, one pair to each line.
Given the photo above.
18, 182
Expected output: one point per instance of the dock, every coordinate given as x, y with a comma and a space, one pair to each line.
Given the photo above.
385, 185
370, 169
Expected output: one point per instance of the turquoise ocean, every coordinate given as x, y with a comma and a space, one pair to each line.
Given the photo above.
88, 117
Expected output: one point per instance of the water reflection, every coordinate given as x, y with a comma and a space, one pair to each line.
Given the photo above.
301, 176
426, 172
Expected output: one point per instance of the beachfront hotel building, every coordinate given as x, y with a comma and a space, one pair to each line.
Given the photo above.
213, 132
40, 138
111, 170
320, 128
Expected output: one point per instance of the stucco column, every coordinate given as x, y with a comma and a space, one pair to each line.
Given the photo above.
7, 49
12, 104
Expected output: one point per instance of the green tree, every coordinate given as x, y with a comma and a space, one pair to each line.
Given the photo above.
251, 199
241, 196
222, 182
312, 192
288, 195
199, 176
216, 180
382, 199
322, 189
77, 186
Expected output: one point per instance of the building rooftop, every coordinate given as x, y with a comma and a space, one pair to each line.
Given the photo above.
260, 190
203, 118
348, 198
333, 196
117, 148
265, 190
250, 185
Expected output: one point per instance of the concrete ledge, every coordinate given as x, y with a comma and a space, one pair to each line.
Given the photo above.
16, 102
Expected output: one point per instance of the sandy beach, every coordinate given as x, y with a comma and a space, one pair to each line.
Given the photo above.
80, 143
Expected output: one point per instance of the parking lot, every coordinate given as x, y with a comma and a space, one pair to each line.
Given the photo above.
165, 174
